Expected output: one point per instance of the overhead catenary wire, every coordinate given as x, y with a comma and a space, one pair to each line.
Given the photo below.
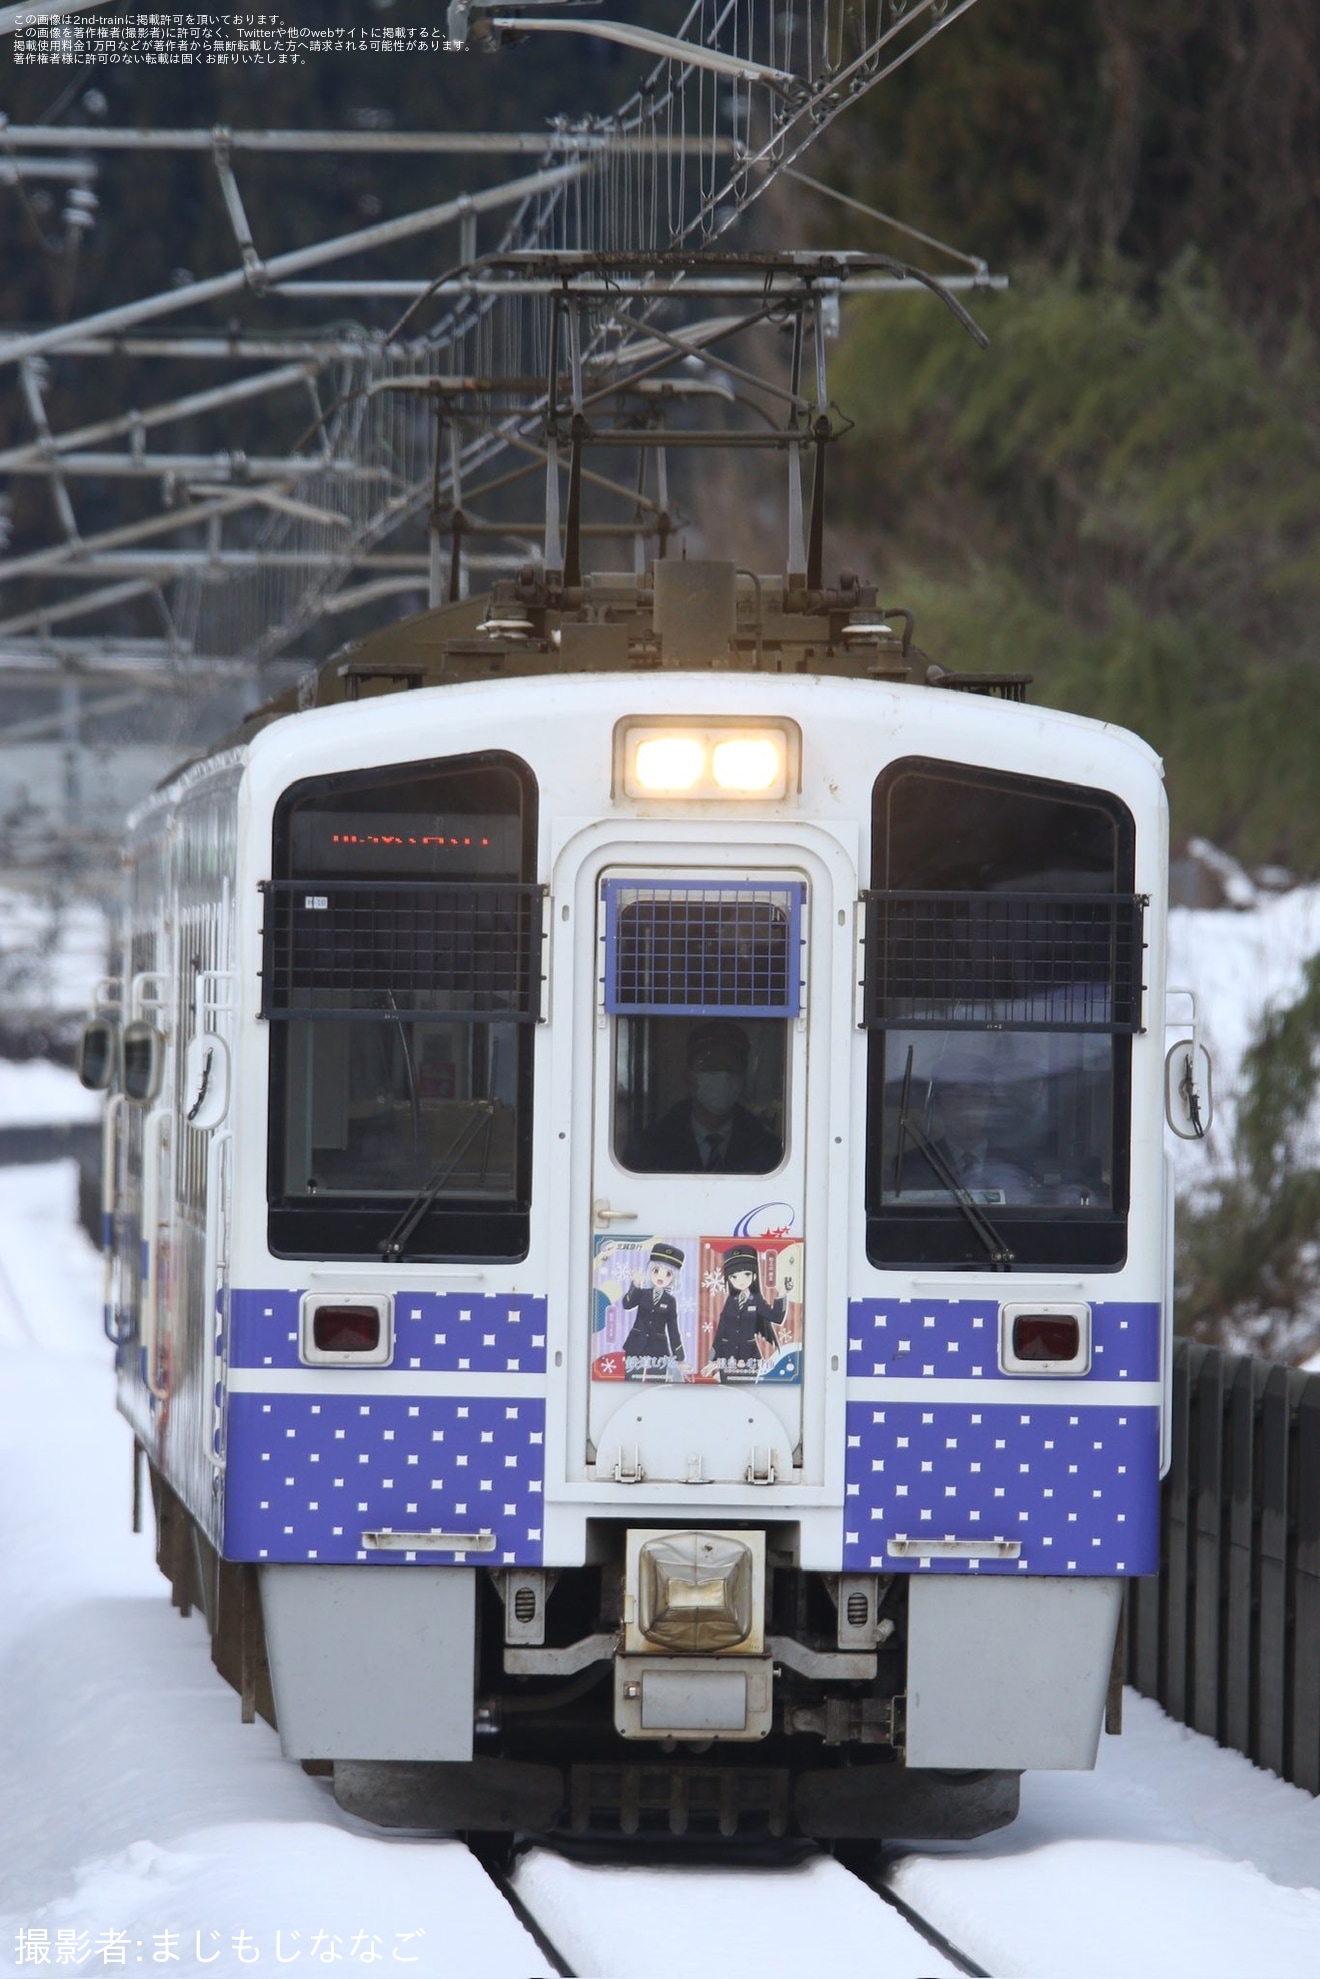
725, 105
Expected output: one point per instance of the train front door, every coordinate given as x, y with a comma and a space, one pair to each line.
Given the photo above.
698, 1271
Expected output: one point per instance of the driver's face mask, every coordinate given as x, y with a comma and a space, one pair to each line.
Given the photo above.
718, 1092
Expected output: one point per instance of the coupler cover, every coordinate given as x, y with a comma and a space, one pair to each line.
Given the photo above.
698, 1697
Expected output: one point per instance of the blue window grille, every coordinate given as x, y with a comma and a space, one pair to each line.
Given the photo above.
697, 949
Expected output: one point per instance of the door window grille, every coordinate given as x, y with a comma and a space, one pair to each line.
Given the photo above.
703, 950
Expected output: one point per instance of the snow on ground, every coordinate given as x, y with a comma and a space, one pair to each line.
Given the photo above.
644, 1922
134, 1802
1172, 1858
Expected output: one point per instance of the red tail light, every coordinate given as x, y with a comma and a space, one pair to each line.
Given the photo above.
346, 1329
1046, 1336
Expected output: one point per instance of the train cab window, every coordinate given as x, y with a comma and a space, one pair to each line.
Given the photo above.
1003, 986
700, 979
704, 1094
401, 976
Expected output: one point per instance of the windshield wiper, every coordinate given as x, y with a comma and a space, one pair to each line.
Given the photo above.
414, 1096
392, 1247
1000, 1256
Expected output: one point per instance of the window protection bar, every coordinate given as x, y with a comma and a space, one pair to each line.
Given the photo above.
1003, 961
416, 951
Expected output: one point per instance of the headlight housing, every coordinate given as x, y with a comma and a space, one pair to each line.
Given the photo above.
695, 1593
694, 760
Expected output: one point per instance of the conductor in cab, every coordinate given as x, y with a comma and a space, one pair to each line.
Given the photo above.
710, 1130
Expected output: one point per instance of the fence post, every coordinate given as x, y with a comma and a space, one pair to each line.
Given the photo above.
1206, 1510
1272, 1669
1241, 1725
1179, 1559
1145, 1635
1304, 1767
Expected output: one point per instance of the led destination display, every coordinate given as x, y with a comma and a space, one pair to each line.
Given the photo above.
406, 844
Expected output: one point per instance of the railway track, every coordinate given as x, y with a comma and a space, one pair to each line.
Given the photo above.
593, 1912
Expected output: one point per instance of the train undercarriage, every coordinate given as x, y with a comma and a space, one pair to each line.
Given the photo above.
548, 1758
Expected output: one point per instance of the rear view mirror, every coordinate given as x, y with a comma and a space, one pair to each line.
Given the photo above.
1188, 1091
97, 1054
143, 1055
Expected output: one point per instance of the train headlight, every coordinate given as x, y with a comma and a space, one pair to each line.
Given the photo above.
669, 764
695, 1592
694, 759
750, 763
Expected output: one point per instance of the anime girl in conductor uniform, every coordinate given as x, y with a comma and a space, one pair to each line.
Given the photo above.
654, 1338
734, 1354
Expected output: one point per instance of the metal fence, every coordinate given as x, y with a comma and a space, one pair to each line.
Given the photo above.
1228, 1638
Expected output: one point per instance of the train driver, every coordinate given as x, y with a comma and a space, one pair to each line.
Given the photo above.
710, 1129
972, 1118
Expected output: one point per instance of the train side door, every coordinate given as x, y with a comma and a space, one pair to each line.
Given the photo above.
698, 1176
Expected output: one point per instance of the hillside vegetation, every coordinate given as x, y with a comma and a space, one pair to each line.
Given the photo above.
1119, 497
1122, 495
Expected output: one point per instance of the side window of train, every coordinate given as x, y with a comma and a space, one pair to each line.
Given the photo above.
1003, 987
401, 978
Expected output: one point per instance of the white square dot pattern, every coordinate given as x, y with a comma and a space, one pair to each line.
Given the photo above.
1090, 1482
453, 1451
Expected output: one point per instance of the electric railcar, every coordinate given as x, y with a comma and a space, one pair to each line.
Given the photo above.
638, 1231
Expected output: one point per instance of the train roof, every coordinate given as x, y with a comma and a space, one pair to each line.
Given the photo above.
620, 643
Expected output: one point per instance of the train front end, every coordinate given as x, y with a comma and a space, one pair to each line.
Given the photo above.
690, 1336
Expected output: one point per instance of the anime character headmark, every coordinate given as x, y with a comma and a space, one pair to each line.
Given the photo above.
734, 1354
654, 1339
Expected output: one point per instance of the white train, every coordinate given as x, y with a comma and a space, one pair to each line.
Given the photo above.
639, 1237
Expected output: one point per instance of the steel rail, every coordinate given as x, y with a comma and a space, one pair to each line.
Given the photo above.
862, 1860
527, 1918
934, 1937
